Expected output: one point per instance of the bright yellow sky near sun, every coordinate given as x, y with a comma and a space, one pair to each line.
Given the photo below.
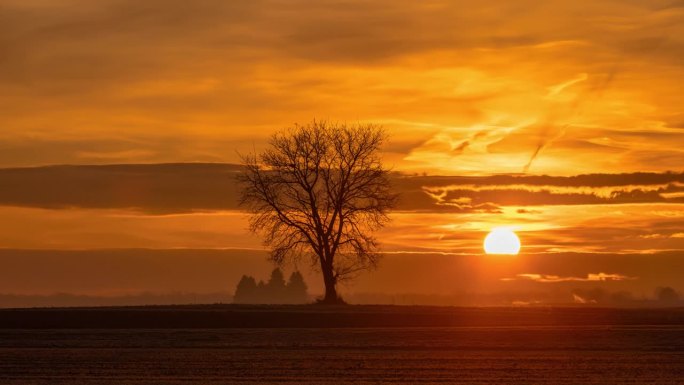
462, 87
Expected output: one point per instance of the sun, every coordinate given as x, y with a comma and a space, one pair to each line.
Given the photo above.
502, 240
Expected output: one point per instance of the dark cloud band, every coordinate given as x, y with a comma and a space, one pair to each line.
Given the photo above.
188, 187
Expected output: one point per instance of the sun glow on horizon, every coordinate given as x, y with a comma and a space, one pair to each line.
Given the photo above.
502, 240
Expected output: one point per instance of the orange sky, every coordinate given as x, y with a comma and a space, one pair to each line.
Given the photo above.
596, 84
557, 88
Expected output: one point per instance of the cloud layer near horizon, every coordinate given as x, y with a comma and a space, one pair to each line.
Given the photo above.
193, 187
196, 205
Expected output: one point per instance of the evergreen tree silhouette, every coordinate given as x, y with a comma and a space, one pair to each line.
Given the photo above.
275, 289
246, 290
296, 288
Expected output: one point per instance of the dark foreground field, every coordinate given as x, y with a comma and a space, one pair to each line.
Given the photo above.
382, 345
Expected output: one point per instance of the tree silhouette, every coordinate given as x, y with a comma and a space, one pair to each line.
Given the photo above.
261, 288
667, 294
246, 290
275, 288
296, 288
276, 291
319, 190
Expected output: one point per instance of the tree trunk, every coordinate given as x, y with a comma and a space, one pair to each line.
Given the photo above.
331, 297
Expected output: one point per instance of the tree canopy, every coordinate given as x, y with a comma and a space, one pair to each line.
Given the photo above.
319, 191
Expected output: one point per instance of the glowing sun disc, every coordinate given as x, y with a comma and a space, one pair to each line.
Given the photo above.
502, 241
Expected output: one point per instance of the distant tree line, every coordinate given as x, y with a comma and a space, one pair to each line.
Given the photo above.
275, 291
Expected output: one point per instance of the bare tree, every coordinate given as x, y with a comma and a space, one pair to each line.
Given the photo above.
319, 191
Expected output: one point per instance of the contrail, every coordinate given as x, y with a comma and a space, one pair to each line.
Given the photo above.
466, 143
594, 92
533, 157
597, 90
